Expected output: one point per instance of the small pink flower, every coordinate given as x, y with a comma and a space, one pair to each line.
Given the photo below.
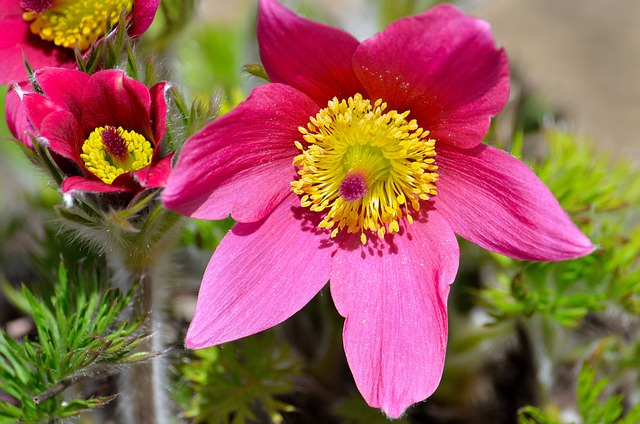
45, 31
103, 130
359, 164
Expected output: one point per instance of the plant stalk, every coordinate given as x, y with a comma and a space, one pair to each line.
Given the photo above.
142, 386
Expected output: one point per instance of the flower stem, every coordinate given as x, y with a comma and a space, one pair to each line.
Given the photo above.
144, 258
142, 387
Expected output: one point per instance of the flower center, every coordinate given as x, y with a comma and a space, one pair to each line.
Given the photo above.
366, 167
111, 151
67, 22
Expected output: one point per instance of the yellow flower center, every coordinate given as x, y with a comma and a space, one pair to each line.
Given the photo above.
67, 22
366, 167
111, 151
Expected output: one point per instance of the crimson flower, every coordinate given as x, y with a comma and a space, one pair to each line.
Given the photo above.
103, 130
45, 32
359, 164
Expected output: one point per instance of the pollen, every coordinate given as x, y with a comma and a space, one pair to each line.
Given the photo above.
363, 167
109, 152
70, 22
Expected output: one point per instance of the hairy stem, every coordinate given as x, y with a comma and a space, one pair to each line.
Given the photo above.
143, 398
142, 387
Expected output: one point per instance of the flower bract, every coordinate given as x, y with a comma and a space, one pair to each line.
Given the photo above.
45, 32
359, 163
103, 130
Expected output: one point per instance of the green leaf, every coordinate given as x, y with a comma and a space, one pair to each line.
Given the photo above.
78, 339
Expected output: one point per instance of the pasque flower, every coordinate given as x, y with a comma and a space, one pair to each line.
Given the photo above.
358, 164
104, 130
45, 32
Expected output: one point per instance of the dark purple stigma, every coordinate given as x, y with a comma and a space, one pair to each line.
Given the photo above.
36, 6
353, 186
113, 142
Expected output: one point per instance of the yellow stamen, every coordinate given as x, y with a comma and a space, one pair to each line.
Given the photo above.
68, 22
365, 167
99, 159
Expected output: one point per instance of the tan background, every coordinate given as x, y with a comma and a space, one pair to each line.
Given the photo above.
583, 56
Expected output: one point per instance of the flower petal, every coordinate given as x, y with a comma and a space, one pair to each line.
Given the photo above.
10, 7
260, 275
39, 107
112, 98
64, 87
495, 201
156, 175
307, 55
441, 65
63, 134
18, 42
242, 162
77, 183
143, 13
16, 115
158, 112
394, 302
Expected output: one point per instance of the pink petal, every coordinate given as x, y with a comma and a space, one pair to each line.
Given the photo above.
242, 162
77, 183
39, 107
112, 98
18, 42
63, 134
10, 7
495, 201
16, 115
307, 55
260, 275
63, 87
158, 112
444, 67
143, 13
154, 176
54, 123
395, 303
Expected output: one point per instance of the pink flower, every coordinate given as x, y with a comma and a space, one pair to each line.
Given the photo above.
358, 164
103, 130
45, 31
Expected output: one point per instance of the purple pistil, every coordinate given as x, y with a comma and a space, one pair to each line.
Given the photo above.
353, 186
113, 142
36, 6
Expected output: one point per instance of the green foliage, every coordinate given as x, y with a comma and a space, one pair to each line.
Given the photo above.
204, 235
603, 200
190, 119
239, 382
218, 50
596, 412
77, 340
592, 410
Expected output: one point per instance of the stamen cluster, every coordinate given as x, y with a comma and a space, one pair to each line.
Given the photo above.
366, 167
109, 152
66, 23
